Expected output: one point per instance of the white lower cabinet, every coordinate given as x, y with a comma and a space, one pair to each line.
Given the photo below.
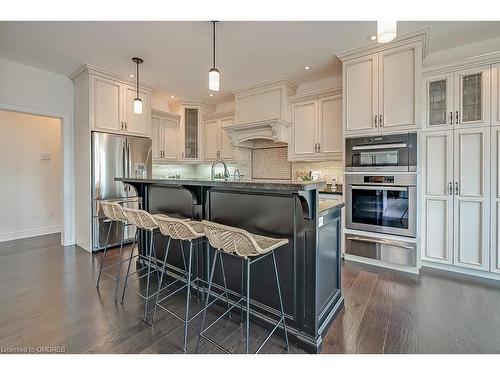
495, 199
456, 197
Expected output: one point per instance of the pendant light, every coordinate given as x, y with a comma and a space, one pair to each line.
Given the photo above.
137, 100
213, 74
386, 31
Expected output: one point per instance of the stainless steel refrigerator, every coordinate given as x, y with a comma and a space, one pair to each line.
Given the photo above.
116, 156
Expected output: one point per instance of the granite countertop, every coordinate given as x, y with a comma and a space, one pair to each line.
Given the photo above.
325, 205
332, 192
232, 184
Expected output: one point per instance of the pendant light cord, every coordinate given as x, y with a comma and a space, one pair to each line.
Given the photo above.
213, 27
137, 78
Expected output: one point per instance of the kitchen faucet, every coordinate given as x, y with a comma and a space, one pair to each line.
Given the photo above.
236, 172
226, 171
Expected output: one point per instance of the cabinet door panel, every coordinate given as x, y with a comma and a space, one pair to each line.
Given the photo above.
437, 217
137, 124
495, 199
191, 134
107, 102
472, 97
157, 139
438, 102
398, 87
330, 126
471, 211
170, 138
211, 139
361, 94
226, 147
495, 94
304, 128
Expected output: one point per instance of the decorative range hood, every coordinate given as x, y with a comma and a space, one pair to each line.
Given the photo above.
262, 111
243, 135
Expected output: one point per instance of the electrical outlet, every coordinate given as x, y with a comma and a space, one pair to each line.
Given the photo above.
45, 156
52, 213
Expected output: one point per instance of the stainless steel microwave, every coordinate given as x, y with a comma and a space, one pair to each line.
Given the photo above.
393, 153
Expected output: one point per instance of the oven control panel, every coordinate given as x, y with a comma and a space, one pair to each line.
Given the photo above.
379, 179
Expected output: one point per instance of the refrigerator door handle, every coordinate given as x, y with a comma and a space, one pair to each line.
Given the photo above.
129, 161
124, 167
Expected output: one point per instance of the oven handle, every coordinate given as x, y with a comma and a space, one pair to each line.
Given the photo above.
383, 242
379, 146
384, 188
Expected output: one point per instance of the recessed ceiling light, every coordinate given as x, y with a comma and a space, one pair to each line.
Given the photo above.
131, 75
171, 96
307, 67
373, 37
211, 94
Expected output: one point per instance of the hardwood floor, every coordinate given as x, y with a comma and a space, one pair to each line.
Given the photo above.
48, 299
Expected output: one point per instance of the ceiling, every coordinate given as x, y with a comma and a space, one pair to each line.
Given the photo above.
177, 55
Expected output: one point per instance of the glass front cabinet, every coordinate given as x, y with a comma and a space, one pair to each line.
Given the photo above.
458, 99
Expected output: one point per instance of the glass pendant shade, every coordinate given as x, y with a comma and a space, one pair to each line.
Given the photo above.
386, 31
138, 106
213, 79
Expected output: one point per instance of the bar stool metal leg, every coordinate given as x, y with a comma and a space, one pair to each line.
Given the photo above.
241, 290
281, 301
146, 297
188, 298
129, 262
104, 255
119, 270
247, 343
225, 284
163, 270
207, 299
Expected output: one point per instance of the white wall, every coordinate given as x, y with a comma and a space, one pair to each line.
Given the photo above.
27, 89
31, 188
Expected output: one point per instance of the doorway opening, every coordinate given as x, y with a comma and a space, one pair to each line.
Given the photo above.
32, 188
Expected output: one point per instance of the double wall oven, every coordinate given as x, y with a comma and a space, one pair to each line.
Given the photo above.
381, 197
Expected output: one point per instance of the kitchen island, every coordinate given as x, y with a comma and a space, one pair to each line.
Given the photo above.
309, 265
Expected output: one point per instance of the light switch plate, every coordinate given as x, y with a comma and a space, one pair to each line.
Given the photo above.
45, 156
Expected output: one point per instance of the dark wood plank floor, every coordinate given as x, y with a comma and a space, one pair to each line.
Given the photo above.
48, 298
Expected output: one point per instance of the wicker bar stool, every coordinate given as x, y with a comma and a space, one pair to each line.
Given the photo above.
113, 212
143, 220
250, 248
192, 232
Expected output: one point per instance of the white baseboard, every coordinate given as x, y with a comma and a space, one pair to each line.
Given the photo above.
379, 263
464, 271
40, 231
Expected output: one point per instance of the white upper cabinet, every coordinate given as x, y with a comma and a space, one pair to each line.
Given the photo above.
382, 89
165, 134
495, 94
459, 99
212, 131
227, 150
399, 93
316, 126
218, 144
330, 126
112, 107
472, 97
438, 101
136, 124
305, 120
107, 104
361, 94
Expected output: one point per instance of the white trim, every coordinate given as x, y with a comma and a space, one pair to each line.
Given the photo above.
68, 189
461, 64
317, 94
382, 264
270, 84
464, 271
26, 233
97, 71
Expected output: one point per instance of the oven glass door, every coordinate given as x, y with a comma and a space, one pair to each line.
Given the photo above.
381, 206
387, 155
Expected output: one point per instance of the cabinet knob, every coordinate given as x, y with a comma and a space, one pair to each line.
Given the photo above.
456, 117
457, 188
380, 121
450, 188
451, 118
376, 120
319, 147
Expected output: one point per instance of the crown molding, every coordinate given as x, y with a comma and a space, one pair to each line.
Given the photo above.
218, 114
463, 63
274, 83
421, 35
171, 115
316, 94
86, 69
